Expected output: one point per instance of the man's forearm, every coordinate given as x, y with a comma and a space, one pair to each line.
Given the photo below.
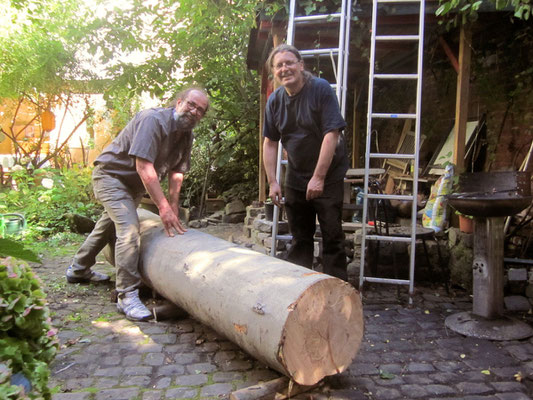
327, 151
150, 180
270, 155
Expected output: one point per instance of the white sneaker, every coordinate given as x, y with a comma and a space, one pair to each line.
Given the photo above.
129, 304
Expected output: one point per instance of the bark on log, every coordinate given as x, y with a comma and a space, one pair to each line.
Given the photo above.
276, 389
304, 324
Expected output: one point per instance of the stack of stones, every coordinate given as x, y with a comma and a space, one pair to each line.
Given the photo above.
259, 229
519, 289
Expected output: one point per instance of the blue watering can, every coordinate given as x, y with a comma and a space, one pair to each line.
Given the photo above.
11, 224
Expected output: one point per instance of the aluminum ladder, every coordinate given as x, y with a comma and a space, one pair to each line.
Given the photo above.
414, 158
340, 68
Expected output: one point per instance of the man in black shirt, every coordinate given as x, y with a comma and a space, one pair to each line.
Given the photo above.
304, 114
155, 143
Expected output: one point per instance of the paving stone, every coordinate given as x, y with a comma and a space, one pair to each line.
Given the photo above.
392, 368
522, 352
191, 380
448, 366
473, 388
106, 382
112, 360
114, 371
156, 329
218, 390
440, 390
76, 384
154, 359
386, 393
72, 396
181, 393
140, 370
512, 396
152, 395
169, 338
414, 391
201, 368
223, 356
416, 379
445, 377
186, 358
132, 360
170, 370
364, 369
236, 365
507, 372
260, 375
163, 382
149, 348
420, 367
117, 394
507, 386
230, 376
141, 381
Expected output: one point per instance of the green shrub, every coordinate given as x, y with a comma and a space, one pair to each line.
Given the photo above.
28, 343
44, 196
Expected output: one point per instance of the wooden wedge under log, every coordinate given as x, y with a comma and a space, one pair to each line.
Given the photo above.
304, 324
276, 389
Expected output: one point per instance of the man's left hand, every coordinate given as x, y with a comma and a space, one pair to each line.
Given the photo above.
315, 188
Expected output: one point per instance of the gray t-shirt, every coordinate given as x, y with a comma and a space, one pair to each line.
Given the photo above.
151, 135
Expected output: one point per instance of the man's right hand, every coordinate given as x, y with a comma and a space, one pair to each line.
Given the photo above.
275, 193
171, 222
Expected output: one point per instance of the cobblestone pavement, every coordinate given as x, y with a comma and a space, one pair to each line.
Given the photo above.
407, 353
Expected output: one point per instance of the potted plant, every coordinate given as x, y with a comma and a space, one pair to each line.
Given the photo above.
466, 222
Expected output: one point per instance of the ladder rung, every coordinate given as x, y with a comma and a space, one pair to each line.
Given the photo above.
386, 280
398, 1
284, 162
319, 52
395, 38
389, 238
405, 197
397, 156
384, 115
283, 237
396, 76
318, 17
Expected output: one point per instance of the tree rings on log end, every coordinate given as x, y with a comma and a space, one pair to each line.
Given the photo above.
323, 332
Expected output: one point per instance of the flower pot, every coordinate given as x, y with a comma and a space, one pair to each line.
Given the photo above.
466, 224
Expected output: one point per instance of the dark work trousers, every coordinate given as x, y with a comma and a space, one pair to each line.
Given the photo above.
302, 214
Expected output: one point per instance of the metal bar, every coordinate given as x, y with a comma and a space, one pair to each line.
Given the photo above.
319, 52
397, 1
398, 38
396, 156
386, 280
396, 76
406, 197
382, 238
385, 115
318, 17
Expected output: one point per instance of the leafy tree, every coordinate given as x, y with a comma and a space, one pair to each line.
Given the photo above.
467, 10
195, 42
39, 42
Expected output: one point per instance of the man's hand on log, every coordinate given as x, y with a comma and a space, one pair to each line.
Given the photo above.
171, 222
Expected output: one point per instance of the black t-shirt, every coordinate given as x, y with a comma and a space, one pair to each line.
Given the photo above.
302, 121
152, 135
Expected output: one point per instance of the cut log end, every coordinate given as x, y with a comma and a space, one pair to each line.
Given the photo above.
323, 332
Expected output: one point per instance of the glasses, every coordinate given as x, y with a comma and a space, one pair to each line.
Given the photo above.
191, 105
288, 64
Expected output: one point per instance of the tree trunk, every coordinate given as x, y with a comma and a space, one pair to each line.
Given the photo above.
304, 324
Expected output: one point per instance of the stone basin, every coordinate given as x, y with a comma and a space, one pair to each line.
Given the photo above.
492, 194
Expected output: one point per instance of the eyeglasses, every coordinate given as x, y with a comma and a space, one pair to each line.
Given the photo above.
191, 105
288, 64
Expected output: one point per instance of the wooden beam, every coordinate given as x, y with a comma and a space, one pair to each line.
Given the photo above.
461, 102
449, 53
262, 105
276, 389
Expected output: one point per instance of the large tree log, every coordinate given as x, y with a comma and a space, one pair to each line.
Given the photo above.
304, 324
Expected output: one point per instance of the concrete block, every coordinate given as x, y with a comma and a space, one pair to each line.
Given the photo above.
516, 303
517, 274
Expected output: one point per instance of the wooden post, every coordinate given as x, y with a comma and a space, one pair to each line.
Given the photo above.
302, 323
462, 99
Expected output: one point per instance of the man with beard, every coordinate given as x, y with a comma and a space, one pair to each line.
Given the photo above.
304, 114
155, 143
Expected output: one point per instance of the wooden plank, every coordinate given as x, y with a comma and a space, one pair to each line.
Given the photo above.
461, 103
276, 389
